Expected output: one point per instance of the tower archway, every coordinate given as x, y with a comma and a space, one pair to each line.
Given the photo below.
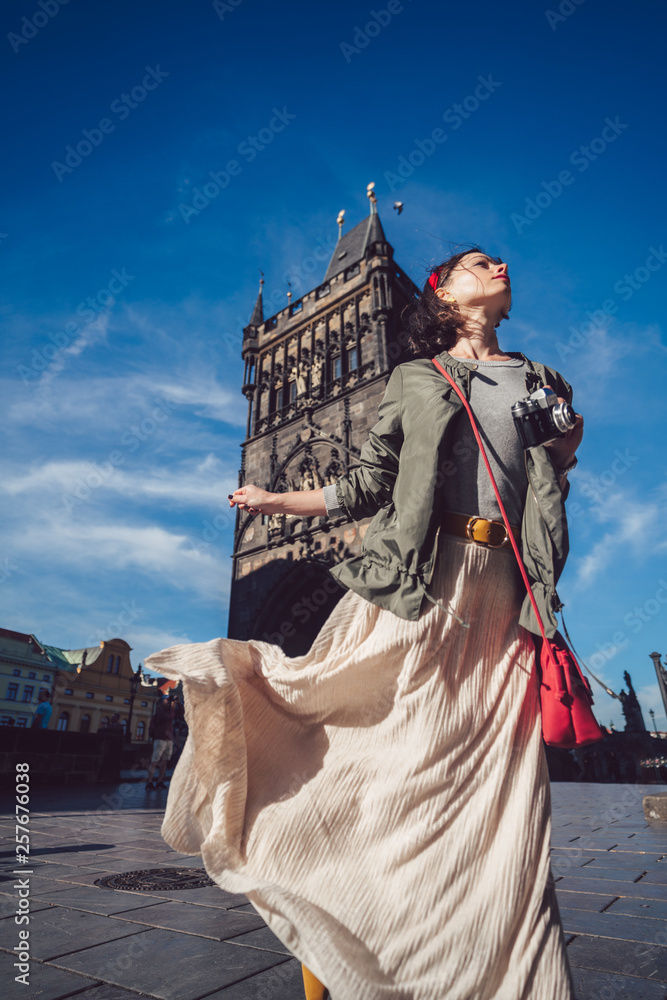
298, 608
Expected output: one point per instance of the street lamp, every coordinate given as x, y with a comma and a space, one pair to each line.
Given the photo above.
652, 714
135, 681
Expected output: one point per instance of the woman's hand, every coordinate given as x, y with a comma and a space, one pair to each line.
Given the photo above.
253, 499
563, 448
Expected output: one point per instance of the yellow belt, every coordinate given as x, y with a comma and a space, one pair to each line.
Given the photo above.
491, 534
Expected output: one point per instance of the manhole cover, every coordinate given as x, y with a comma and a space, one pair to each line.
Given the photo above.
157, 878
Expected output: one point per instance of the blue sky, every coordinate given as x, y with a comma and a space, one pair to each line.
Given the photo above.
535, 131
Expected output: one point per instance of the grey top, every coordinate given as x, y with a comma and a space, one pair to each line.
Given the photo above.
494, 387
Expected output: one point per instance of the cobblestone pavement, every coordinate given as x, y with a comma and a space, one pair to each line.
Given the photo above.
185, 944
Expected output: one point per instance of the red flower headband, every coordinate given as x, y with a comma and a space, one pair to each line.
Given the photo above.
435, 277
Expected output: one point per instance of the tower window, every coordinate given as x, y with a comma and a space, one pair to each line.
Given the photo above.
292, 391
110, 664
335, 367
352, 359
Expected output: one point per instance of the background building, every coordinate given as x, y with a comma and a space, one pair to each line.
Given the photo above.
86, 686
95, 682
25, 668
315, 374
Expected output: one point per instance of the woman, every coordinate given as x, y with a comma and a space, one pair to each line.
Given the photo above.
384, 798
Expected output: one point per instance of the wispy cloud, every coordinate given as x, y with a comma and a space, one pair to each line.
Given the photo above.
627, 518
93, 333
69, 484
147, 549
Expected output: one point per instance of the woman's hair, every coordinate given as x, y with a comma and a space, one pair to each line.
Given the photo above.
431, 324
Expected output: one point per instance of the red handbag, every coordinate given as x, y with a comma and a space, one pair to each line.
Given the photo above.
565, 694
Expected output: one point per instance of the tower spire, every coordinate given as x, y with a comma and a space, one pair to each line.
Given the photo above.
257, 317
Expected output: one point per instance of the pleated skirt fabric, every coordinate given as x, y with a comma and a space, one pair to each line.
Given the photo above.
383, 799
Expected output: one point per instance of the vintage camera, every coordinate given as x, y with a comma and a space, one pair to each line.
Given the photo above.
540, 418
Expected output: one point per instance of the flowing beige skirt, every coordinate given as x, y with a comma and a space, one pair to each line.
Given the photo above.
383, 799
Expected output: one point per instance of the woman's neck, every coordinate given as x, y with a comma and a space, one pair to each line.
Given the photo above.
478, 339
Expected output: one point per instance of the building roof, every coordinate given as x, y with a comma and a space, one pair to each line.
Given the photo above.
7, 633
68, 659
352, 246
56, 656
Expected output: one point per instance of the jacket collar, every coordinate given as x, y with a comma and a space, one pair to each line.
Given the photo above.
457, 367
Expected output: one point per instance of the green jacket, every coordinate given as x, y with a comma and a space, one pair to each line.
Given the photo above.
404, 465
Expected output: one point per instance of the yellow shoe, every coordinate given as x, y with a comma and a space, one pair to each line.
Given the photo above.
313, 988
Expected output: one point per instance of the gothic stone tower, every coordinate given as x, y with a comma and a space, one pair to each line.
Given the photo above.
315, 374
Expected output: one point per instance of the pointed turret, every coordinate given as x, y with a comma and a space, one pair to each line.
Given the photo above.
257, 317
367, 235
251, 331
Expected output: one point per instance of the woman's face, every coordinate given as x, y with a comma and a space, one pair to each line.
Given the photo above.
477, 280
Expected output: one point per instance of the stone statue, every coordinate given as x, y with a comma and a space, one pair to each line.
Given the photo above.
302, 379
634, 720
307, 481
316, 373
275, 522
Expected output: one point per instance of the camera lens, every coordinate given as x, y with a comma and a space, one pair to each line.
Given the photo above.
564, 417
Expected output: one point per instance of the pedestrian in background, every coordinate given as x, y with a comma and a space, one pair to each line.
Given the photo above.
40, 719
161, 731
